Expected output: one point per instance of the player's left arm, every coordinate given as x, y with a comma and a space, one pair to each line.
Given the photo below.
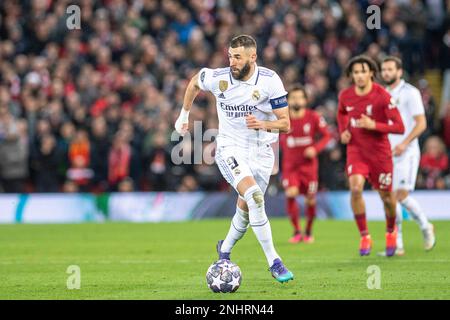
278, 100
282, 124
394, 120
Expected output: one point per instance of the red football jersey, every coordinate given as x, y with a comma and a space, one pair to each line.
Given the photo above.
302, 135
377, 105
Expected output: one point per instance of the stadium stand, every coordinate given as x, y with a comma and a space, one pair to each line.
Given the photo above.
93, 109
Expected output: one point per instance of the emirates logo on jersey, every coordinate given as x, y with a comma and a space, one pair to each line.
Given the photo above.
293, 142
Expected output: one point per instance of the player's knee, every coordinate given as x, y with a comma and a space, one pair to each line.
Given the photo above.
310, 201
255, 201
388, 198
356, 191
258, 196
291, 192
254, 195
401, 195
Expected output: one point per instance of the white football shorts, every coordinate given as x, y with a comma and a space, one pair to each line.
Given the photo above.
236, 163
405, 171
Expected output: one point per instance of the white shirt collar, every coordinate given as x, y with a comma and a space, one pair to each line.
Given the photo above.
400, 85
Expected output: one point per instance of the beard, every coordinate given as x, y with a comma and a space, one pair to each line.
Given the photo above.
242, 73
390, 81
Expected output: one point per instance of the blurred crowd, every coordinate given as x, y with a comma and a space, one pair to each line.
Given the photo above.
92, 110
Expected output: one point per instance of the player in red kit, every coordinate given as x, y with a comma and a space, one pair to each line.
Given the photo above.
299, 165
366, 114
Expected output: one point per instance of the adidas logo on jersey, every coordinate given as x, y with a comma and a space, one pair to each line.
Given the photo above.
222, 96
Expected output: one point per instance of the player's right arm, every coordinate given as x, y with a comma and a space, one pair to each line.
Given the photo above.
342, 120
201, 81
192, 90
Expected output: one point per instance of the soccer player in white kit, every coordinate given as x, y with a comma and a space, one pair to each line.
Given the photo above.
405, 148
252, 107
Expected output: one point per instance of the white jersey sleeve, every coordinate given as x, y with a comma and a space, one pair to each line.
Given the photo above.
277, 93
415, 102
205, 79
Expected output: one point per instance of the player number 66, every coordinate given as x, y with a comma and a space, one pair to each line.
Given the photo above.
385, 178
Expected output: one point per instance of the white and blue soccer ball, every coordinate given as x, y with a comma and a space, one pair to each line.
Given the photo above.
223, 276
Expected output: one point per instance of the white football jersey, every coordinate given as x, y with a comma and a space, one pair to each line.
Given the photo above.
236, 99
409, 104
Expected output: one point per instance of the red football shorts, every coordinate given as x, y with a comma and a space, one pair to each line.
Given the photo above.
306, 182
378, 170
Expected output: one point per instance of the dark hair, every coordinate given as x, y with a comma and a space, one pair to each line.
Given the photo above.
298, 87
243, 40
396, 60
362, 59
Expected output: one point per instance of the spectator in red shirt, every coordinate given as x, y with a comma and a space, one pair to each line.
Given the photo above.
119, 160
434, 162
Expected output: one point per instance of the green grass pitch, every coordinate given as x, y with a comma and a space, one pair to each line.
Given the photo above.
169, 261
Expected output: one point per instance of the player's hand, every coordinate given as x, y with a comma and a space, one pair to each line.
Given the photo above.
345, 137
182, 123
399, 149
310, 152
366, 122
253, 123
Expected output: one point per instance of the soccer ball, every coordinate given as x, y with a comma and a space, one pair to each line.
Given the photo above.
223, 276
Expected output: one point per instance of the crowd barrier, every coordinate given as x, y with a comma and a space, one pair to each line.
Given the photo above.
172, 206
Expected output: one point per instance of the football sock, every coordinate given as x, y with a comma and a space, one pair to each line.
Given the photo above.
260, 223
416, 211
239, 225
311, 214
390, 223
293, 211
362, 224
398, 222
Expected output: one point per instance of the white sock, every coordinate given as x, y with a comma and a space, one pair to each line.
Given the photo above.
398, 222
416, 211
239, 225
260, 223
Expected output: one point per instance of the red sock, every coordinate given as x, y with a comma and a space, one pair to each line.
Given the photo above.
311, 213
293, 211
361, 222
390, 224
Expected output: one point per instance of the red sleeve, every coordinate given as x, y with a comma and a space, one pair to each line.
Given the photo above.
395, 122
324, 132
342, 116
